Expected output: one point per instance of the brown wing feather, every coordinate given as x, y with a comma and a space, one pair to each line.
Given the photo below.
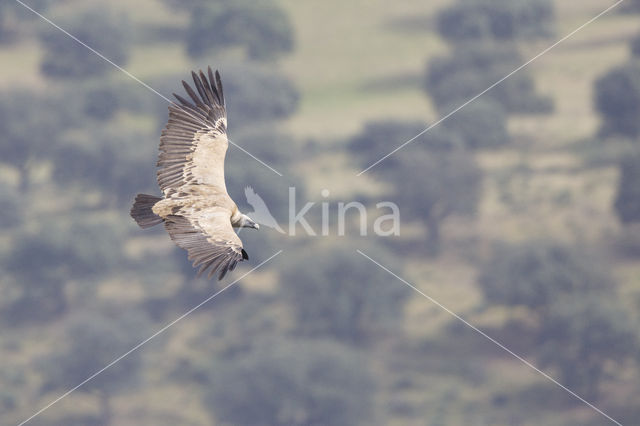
211, 242
194, 142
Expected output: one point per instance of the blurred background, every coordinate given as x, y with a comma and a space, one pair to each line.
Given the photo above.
520, 213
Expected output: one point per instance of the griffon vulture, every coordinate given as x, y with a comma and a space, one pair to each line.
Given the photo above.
195, 208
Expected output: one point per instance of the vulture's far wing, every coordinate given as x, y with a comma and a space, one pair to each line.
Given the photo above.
209, 240
194, 142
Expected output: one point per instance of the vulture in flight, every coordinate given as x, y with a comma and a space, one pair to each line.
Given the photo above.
195, 208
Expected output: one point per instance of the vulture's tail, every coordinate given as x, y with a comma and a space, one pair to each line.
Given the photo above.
141, 211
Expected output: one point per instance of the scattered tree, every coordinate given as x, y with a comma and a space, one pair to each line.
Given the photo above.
379, 138
101, 102
256, 94
12, 379
109, 163
333, 292
182, 5
536, 273
491, 19
632, 7
91, 341
13, 16
581, 335
444, 177
266, 142
617, 99
635, 46
36, 265
41, 263
12, 212
262, 28
94, 244
302, 383
627, 242
102, 30
443, 182
30, 126
481, 124
472, 68
627, 202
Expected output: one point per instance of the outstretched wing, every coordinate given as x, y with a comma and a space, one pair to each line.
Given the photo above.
194, 142
209, 240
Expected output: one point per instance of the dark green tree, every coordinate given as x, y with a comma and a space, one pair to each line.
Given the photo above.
635, 46
30, 127
12, 212
617, 99
471, 20
94, 244
332, 292
582, 335
101, 29
481, 124
627, 202
91, 341
261, 27
631, 7
266, 142
41, 263
379, 138
12, 380
471, 68
443, 182
299, 383
13, 17
37, 267
536, 273
101, 102
107, 160
183, 5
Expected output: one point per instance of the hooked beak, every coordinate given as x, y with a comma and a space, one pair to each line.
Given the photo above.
255, 225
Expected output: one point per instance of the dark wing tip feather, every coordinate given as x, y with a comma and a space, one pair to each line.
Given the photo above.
184, 102
219, 87
215, 84
200, 88
207, 89
245, 256
192, 94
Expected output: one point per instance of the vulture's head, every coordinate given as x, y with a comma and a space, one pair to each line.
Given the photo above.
246, 222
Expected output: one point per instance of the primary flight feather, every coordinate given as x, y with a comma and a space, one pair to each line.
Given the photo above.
195, 208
